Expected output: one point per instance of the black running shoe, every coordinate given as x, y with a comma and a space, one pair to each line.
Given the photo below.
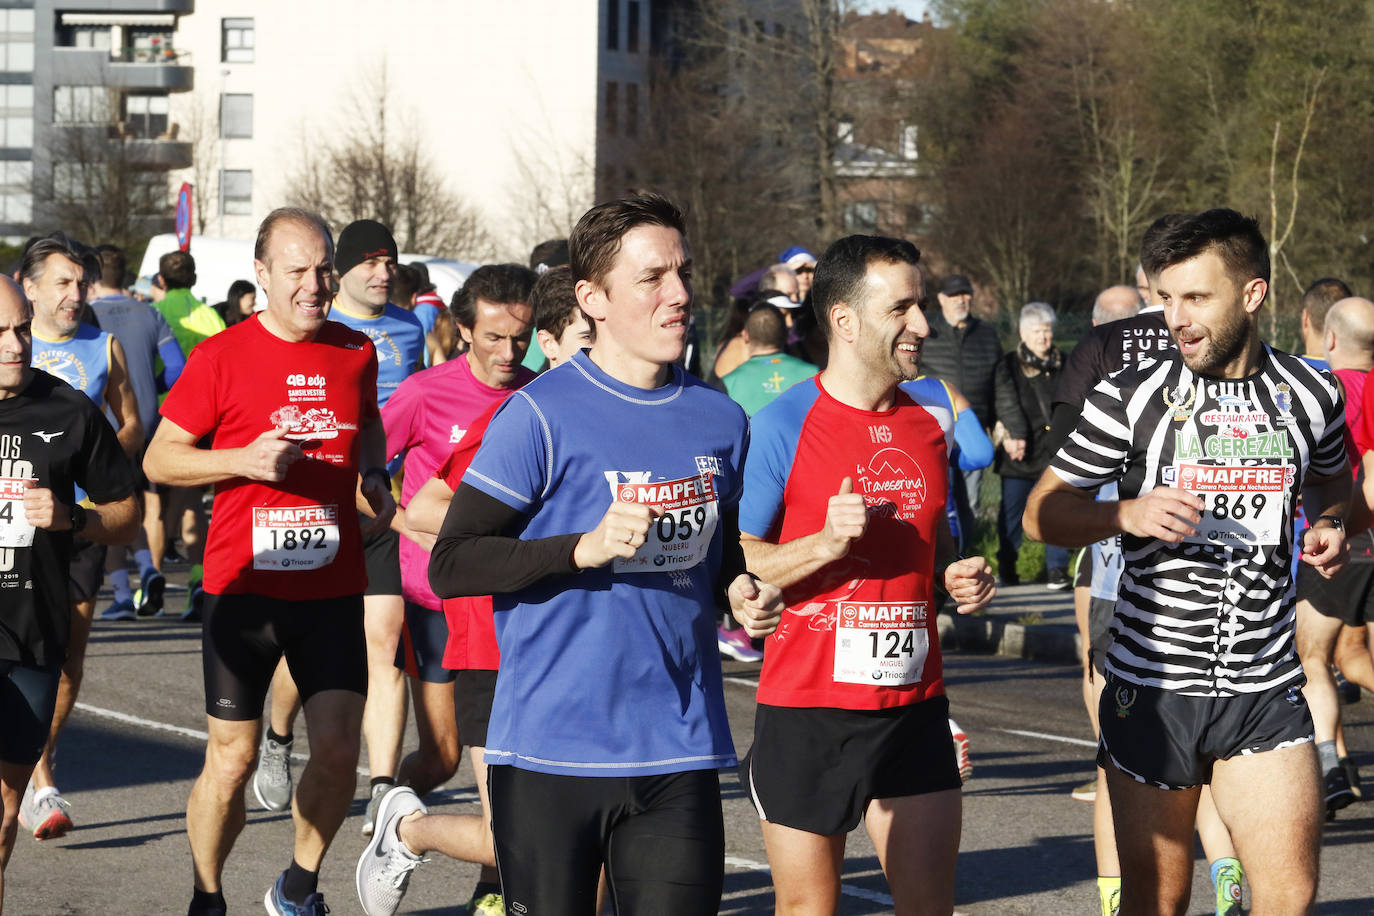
150, 595
1338, 791
1352, 773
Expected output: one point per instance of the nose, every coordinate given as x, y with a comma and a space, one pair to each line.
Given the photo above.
916, 322
676, 287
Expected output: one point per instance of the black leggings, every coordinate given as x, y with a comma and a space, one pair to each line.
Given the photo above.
661, 838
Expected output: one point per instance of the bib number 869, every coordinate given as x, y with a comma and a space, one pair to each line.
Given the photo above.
1236, 506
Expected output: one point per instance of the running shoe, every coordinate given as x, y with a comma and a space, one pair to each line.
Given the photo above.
272, 781
148, 598
487, 905
195, 597
736, 644
1338, 791
383, 872
278, 905
46, 817
1352, 773
1085, 793
370, 815
1228, 891
1058, 579
961, 750
120, 610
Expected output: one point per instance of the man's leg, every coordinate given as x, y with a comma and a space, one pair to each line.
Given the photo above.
67, 688
215, 813
1154, 838
1316, 643
466, 837
384, 715
1271, 803
334, 720
1222, 860
13, 778
153, 526
436, 759
1353, 657
286, 701
806, 870
917, 839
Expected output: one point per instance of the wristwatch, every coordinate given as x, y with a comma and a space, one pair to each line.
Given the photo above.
1336, 521
77, 517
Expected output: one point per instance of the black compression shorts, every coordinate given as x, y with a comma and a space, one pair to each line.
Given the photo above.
244, 636
1348, 598
420, 650
1170, 741
382, 554
28, 697
87, 570
473, 691
816, 769
661, 838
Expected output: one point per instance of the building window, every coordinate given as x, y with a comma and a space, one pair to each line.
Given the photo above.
81, 105
16, 21
631, 109
612, 115
632, 28
612, 25
16, 194
236, 115
861, 216
16, 56
236, 43
16, 119
145, 116
236, 192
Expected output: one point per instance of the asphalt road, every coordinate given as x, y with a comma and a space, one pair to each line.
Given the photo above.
134, 746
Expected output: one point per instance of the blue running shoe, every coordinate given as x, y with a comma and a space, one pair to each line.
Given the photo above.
120, 610
148, 600
278, 905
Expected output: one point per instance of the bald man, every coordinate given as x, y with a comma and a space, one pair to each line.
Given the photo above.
1326, 608
1115, 303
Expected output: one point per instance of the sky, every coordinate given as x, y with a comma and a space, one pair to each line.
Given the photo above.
914, 9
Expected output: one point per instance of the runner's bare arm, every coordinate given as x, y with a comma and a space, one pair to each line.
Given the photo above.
1324, 544
106, 523
428, 506
846, 520
1059, 513
119, 394
373, 488
173, 458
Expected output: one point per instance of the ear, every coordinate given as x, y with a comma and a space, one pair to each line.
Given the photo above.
844, 323
548, 345
260, 269
1253, 294
592, 299
1328, 342
464, 332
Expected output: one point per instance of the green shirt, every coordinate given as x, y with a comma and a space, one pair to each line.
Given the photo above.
192, 320
759, 379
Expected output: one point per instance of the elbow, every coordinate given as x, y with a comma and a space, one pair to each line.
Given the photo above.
443, 564
152, 466
1030, 519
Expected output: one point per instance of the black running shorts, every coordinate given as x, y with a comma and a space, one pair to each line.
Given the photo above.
1170, 741
244, 636
816, 769
1100, 613
382, 555
28, 697
661, 838
1349, 597
420, 650
473, 691
87, 569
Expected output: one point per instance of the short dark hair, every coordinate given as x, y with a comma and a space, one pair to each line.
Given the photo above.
766, 327
177, 269
422, 276
1321, 295
595, 240
298, 215
405, 283
843, 269
505, 284
38, 250
1236, 239
554, 299
113, 266
549, 254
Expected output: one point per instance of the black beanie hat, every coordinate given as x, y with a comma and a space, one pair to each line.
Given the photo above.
360, 240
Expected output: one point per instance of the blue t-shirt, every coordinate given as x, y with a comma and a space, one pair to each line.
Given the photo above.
82, 360
399, 339
613, 671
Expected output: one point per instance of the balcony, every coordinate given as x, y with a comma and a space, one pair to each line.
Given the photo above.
161, 68
129, 6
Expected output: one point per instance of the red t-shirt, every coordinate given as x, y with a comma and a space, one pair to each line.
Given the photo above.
471, 629
298, 539
860, 633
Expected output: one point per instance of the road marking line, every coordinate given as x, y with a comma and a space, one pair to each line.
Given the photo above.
1048, 737
848, 890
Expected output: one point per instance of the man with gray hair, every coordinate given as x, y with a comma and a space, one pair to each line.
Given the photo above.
1115, 303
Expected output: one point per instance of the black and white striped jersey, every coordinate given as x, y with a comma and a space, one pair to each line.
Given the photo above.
1212, 616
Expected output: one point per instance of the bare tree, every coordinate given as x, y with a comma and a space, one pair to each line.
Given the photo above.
201, 130
379, 170
103, 188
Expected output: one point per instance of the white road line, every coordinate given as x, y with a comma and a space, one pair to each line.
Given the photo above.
1048, 737
848, 890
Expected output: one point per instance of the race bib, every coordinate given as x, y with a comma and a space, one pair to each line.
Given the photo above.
1241, 505
295, 537
881, 644
15, 530
681, 536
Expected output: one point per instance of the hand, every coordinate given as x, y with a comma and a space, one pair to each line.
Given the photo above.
401, 523
1164, 513
619, 534
757, 605
846, 520
1325, 549
268, 457
1015, 449
379, 501
970, 583
44, 510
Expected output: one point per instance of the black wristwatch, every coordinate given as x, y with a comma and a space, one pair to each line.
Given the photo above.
77, 517
1336, 521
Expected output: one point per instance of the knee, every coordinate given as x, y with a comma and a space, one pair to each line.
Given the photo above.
228, 764
336, 753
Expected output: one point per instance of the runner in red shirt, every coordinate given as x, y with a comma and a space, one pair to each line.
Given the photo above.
843, 508
291, 401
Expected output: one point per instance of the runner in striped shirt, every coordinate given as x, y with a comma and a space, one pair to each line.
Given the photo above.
1210, 446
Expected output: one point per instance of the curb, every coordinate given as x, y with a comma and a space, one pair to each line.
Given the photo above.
1043, 642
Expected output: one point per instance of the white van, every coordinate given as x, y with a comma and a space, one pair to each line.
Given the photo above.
219, 262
